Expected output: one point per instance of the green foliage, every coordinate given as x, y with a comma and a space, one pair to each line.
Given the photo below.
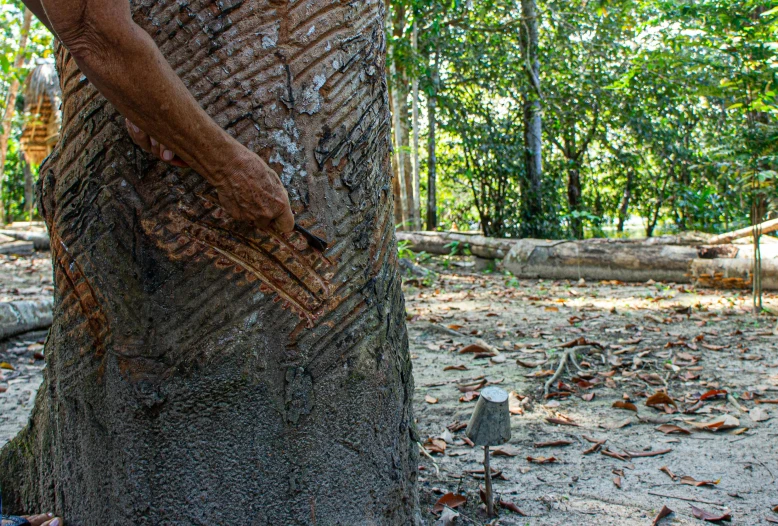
39, 47
661, 111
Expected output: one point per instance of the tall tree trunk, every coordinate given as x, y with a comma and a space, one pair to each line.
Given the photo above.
574, 198
10, 105
415, 112
432, 159
432, 166
625, 199
405, 154
29, 204
532, 204
398, 159
400, 216
200, 371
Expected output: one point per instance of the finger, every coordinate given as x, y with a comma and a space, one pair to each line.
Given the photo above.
171, 158
56, 521
155, 148
39, 520
138, 136
284, 222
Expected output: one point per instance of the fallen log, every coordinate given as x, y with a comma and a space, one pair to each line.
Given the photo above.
39, 238
444, 242
10, 245
600, 259
733, 273
18, 317
728, 237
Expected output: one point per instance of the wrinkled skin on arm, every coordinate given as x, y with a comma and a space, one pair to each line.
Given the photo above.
125, 65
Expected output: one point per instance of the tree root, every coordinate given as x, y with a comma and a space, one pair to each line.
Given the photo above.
567, 355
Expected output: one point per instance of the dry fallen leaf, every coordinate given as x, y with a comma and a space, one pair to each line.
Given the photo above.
636, 454
660, 398
435, 445
530, 365
691, 482
7, 366
617, 482
447, 518
455, 368
664, 512
553, 443
711, 517
542, 460
713, 393
758, 414
670, 474
469, 397
617, 424
472, 387
540, 374
588, 397
451, 500
430, 399
670, 428
508, 505
717, 424
625, 405
562, 420
478, 350
514, 403
506, 451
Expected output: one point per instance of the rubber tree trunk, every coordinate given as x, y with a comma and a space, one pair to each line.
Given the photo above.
200, 371
532, 205
10, 105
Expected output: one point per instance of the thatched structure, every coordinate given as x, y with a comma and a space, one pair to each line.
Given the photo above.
42, 113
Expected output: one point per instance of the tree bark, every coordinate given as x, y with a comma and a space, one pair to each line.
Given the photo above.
532, 203
405, 155
29, 204
432, 159
200, 371
625, 199
10, 105
574, 199
400, 217
415, 114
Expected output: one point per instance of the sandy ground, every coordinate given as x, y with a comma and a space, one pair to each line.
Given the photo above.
636, 340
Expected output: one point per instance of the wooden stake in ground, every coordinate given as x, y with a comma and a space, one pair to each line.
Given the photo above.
490, 425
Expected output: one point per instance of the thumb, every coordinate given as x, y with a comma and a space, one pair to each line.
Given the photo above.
285, 222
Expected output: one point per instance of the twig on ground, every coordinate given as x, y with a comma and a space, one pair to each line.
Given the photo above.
731, 400
427, 454
701, 501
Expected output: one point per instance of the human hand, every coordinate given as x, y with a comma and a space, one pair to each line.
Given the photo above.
151, 145
43, 519
249, 190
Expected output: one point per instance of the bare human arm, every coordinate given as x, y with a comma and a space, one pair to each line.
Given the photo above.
123, 63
